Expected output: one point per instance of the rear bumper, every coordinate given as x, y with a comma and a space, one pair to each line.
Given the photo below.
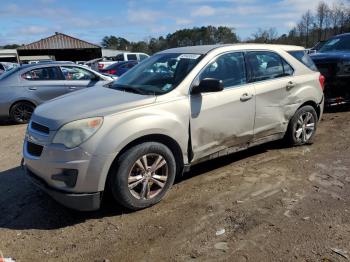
81, 201
337, 91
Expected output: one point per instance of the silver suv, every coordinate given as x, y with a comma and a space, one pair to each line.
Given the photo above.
178, 108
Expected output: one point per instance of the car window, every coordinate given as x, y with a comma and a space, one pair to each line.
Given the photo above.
303, 57
288, 70
158, 75
143, 57
76, 73
340, 43
2, 67
42, 74
229, 68
265, 65
132, 57
119, 57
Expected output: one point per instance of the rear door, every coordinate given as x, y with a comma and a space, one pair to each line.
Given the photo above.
223, 120
44, 83
272, 78
78, 78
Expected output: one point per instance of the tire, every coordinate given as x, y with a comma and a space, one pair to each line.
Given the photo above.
134, 185
302, 127
21, 112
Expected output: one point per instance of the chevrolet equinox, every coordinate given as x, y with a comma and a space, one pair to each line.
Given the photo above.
179, 107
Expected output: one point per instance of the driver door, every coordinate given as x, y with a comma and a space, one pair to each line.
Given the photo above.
223, 122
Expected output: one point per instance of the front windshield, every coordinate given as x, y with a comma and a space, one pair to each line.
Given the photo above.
158, 74
9, 72
337, 44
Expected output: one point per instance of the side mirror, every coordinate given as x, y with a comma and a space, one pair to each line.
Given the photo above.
208, 85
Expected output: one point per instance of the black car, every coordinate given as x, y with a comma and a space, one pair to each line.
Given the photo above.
333, 61
119, 68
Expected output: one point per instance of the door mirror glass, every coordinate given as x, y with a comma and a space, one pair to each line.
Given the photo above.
208, 85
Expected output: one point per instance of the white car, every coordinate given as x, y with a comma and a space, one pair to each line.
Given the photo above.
123, 57
180, 107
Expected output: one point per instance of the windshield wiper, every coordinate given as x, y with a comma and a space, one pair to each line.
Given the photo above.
129, 89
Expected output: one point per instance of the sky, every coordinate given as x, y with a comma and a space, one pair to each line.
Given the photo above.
25, 21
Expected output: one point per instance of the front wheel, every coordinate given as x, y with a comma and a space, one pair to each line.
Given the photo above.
302, 126
144, 175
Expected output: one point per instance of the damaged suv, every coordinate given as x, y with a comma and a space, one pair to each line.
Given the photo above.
180, 107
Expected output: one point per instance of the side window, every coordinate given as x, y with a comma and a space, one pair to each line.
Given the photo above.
42, 74
76, 73
143, 57
287, 69
119, 57
265, 65
2, 67
229, 68
304, 58
132, 57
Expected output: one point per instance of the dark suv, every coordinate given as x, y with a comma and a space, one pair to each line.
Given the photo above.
333, 61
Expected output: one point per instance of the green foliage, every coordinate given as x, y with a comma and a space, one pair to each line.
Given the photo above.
14, 46
185, 37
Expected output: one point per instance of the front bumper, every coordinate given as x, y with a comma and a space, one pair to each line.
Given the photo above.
81, 202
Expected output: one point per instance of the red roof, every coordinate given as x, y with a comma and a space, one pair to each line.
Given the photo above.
58, 41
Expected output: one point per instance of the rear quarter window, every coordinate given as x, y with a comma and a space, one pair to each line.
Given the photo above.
304, 58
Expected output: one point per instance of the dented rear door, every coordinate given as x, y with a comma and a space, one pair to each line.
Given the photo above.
273, 81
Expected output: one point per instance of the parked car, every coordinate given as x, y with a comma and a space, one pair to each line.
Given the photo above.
333, 61
117, 69
180, 107
123, 57
316, 47
6, 66
25, 87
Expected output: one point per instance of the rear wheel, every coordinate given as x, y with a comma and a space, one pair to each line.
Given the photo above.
21, 112
144, 175
302, 127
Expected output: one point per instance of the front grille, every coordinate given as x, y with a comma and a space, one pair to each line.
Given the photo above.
34, 149
40, 128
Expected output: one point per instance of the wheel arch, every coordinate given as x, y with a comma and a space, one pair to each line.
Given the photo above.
22, 101
314, 105
160, 138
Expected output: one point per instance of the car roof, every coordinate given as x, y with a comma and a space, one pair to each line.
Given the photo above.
46, 64
204, 49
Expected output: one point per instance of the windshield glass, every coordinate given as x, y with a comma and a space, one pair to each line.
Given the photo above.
9, 72
337, 44
157, 75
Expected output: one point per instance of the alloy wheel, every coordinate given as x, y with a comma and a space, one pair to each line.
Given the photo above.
305, 127
148, 176
23, 112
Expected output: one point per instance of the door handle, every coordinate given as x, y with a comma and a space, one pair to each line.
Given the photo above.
72, 88
290, 85
246, 97
32, 88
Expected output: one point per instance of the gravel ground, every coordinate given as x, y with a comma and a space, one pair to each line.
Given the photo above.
269, 203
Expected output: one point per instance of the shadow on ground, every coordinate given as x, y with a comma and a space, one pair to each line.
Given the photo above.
23, 206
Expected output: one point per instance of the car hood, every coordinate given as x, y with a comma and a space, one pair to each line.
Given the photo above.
331, 56
87, 103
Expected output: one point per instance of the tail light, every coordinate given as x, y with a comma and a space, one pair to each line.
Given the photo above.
322, 81
112, 72
100, 66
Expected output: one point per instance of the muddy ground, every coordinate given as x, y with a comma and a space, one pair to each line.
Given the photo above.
274, 203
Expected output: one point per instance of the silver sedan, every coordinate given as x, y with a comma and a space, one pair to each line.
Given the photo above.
25, 87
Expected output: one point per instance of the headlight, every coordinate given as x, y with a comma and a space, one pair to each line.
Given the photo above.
75, 133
